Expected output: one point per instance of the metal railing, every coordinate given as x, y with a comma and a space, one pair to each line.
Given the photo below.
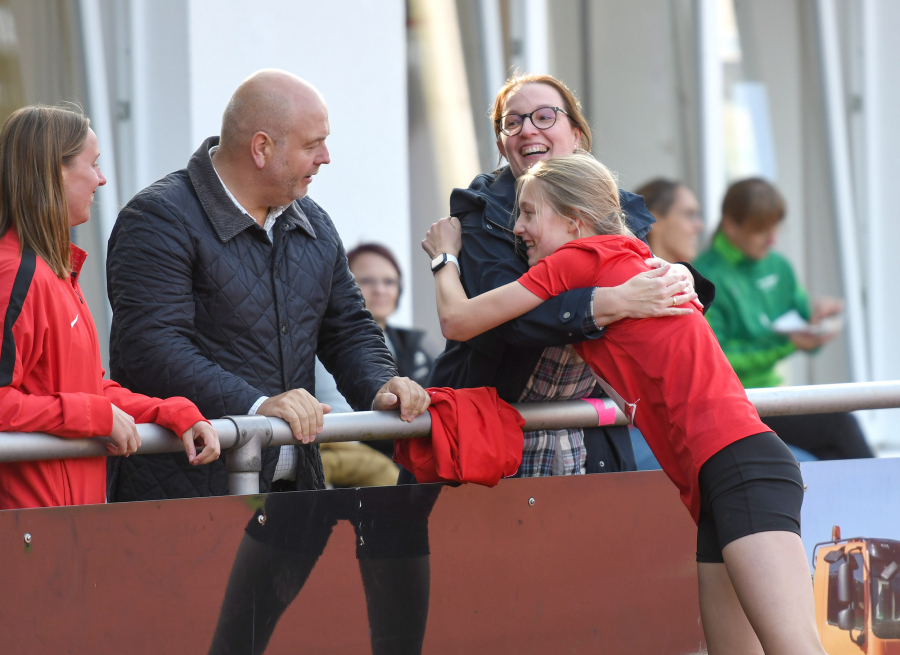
243, 437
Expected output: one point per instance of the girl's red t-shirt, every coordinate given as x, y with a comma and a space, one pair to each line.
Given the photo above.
668, 374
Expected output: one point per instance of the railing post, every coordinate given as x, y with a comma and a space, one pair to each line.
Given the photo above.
244, 459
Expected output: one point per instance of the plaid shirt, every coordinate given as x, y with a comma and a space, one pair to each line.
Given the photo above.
559, 375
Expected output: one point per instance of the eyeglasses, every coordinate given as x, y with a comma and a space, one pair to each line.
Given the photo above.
542, 118
387, 282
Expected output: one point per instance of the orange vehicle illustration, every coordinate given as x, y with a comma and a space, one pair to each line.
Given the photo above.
857, 589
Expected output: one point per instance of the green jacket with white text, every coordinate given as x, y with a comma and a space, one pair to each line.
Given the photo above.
750, 295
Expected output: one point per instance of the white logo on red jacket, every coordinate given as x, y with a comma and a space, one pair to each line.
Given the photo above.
76, 320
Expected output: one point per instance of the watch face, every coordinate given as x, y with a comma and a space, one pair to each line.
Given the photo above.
437, 261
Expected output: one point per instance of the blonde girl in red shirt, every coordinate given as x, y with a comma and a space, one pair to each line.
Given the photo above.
739, 482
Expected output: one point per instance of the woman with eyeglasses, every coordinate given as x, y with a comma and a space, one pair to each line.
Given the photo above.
378, 275
530, 358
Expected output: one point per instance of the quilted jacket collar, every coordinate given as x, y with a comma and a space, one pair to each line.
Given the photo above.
227, 220
295, 217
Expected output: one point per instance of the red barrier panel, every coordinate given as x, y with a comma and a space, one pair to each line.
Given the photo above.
601, 563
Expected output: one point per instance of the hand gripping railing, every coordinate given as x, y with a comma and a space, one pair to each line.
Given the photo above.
243, 437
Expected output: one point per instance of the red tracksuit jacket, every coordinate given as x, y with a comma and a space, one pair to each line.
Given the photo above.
475, 437
51, 381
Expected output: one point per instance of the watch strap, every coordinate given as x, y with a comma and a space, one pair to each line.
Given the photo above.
444, 258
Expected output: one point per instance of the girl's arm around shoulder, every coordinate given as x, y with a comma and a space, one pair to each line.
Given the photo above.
463, 318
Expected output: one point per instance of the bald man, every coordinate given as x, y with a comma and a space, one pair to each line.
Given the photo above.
226, 280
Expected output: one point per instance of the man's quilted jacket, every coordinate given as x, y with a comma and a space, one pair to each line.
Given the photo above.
205, 306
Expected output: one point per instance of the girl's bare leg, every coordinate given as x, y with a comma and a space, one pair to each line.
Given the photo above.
727, 630
770, 576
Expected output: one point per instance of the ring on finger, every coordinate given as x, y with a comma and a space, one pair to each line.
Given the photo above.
674, 301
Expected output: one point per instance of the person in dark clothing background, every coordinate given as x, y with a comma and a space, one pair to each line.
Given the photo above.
226, 281
353, 464
530, 358
379, 278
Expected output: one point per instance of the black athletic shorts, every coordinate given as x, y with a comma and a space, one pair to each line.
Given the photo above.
750, 486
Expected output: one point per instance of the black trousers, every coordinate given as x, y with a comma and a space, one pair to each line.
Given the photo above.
283, 541
827, 436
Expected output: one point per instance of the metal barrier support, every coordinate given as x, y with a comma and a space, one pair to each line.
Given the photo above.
244, 459
242, 438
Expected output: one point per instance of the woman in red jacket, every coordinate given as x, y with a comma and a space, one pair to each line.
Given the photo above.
50, 374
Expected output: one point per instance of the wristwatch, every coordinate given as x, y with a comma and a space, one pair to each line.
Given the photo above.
441, 260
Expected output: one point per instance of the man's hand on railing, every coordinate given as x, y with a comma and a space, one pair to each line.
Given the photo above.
201, 434
125, 438
405, 394
300, 409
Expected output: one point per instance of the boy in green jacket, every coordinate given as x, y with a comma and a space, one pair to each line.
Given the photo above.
761, 314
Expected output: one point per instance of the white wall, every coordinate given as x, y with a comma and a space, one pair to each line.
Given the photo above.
354, 52
160, 93
633, 95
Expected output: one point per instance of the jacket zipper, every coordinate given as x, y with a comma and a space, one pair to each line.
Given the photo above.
74, 280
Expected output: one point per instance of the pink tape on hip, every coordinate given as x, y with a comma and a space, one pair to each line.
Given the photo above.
606, 415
